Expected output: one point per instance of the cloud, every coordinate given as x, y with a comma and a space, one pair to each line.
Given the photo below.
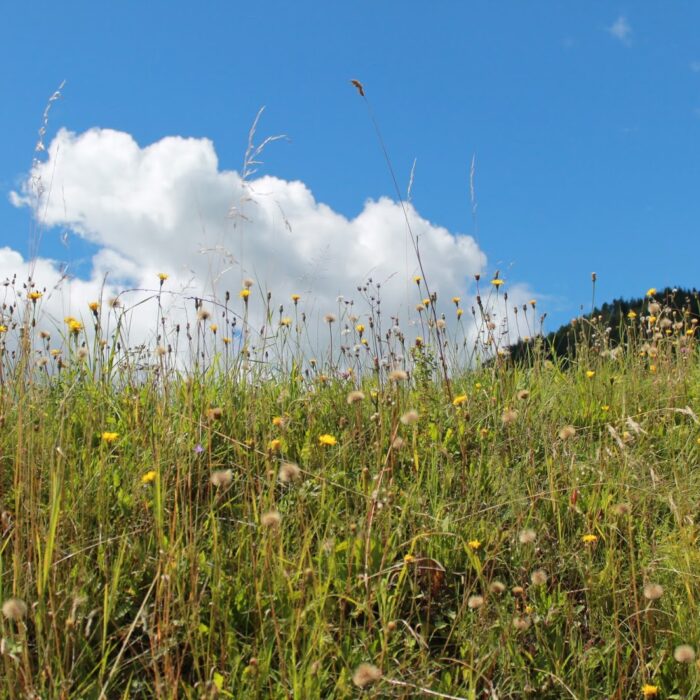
695, 66
167, 207
621, 30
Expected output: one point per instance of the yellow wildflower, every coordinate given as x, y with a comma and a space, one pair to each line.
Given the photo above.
417, 279
456, 300
459, 400
651, 291
162, 276
148, 477
109, 437
35, 296
275, 445
327, 440
74, 326
589, 539
631, 315
590, 373
244, 293
213, 328
226, 340
409, 558
3, 329
474, 544
295, 298
286, 322
459, 313
278, 421
93, 306
496, 282
426, 302
360, 328
650, 691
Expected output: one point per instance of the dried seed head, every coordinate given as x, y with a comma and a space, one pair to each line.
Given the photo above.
521, 623
523, 394
684, 654
527, 536
653, 591
271, 519
538, 577
366, 674
355, 396
509, 415
410, 417
14, 609
398, 375
289, 472
248, 283
497, 587
567, 432
221, 478
475, 601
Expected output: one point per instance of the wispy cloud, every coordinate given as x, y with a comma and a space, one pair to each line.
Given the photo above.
620, 29
695, 66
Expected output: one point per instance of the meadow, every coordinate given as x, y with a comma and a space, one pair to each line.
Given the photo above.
393, 518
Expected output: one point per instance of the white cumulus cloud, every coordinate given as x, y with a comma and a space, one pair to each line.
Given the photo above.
621, 30
168, 207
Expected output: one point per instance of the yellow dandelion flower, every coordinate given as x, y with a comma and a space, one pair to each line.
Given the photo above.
286, 322
3, 329
590, 373
459, 313
213, 328
327, 440
459, 400
652, 368
409, 558
474, 544
650, 691
278, 421
295, 298
93, 306
364, 341
148, 477
417, 279
651, 291
244, 293
74, 326
275, 445
631, 315
162, 276
533, 303
589, 538
605, 408
456, 300
109, 437
226, 340
426, 302
496, 282
35, 296
360, 328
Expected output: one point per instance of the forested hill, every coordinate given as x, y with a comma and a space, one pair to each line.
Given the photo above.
666, 312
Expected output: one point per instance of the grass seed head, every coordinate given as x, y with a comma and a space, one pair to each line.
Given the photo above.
366, 674
14, 609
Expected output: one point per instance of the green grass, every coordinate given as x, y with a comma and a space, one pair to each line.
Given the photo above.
144, 579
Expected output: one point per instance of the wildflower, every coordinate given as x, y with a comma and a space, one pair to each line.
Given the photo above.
409, 559
327, 440
285, 322
483, 433
366, 674
684, 654
289, 472
651, 291
567, 432
533, 303
221, 478
198, 449
35, 296
3, 329
653, 591
538, 577
226, 340
652, 368
244, 294
605, 408
329, 318
162, 276
417, 279
527, 536
459, 313
589, 539
441, 324
295, 298
456, 300
360, 328
14, 609
631, 315
419, 341
248, 283
496, 282
355, 396
650, 691
213, 328
94, 306
474, 544
148, 477
278, 421
475, 601
459, 400
590, 373
397, 375
411, 417
203, 314
271, 519
109, 437
426, 302
275, 445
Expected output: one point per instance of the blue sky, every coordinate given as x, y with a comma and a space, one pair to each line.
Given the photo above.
584, 117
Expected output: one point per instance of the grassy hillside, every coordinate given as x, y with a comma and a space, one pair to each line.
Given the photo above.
526, 531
